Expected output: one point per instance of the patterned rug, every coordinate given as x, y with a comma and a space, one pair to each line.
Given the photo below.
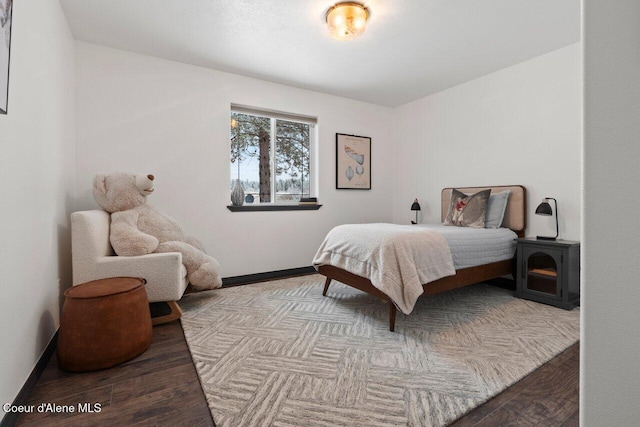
280, 354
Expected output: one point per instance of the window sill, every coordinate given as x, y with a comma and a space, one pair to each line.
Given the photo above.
266, 207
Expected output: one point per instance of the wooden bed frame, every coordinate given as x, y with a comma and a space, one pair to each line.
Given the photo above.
514, 218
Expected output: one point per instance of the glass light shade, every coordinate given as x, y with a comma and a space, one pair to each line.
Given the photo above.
347, 20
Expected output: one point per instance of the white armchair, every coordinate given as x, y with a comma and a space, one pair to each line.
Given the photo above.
93, 258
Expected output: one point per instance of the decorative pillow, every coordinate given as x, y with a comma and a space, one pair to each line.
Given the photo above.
467, 211
495, 209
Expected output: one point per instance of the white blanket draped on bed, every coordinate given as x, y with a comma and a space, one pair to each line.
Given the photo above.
397, 259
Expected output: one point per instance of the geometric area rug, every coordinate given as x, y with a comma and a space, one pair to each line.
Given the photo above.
280, 354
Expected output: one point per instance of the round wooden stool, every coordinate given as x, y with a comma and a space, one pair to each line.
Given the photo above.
103, 323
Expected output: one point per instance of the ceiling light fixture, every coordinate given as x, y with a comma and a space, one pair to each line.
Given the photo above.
347, 20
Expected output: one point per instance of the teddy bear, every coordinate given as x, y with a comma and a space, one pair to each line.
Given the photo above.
139, 229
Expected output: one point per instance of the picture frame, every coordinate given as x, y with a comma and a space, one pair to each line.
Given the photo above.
6, 14
353, 162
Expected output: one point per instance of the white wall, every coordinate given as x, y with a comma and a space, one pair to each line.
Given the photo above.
520, 125
142, 114
37, 164
610, 341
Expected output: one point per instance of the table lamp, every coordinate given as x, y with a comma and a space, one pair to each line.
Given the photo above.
544, 208
415, 207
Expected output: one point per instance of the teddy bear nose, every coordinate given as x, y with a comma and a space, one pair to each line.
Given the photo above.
150, 177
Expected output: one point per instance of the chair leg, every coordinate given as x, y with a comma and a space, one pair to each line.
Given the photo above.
392, 316
326, 286
176, 313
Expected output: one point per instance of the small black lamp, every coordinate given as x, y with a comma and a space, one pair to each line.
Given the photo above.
415, 207
544, 208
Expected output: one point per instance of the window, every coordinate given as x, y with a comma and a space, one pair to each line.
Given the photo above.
271, 155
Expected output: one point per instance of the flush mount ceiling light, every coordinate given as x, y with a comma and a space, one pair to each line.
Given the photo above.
347, 20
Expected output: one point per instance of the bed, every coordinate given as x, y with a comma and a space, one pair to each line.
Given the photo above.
467, 271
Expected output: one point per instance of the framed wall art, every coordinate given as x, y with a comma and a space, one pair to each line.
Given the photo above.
353, 162
5, 47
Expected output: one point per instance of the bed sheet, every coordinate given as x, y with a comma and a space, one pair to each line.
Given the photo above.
471, 247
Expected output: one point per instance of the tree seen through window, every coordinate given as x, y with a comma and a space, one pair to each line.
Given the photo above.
264, 169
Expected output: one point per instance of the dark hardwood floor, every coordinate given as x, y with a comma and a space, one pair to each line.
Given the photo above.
158, 388
546, 397
161, 388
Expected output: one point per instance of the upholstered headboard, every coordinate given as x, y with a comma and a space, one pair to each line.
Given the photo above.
515, 216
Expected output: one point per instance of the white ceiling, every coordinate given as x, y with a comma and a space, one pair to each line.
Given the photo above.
412, 48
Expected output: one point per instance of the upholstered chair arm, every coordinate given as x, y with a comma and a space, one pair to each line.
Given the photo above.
164, 273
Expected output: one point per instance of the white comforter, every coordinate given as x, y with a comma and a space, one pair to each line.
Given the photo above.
397, 259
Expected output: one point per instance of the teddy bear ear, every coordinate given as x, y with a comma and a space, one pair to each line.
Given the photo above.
100, 183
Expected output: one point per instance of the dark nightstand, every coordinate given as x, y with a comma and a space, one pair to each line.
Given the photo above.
549, 271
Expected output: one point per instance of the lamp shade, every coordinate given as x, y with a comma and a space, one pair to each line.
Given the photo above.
544, 208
